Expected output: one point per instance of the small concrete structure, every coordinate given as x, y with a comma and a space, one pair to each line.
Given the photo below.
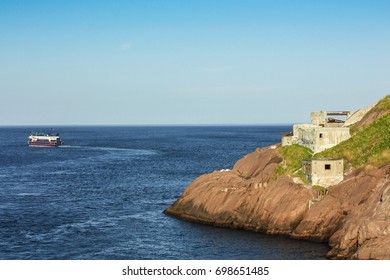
323, 172
287, 140
318, 138
319, 118
323, 132
322, 118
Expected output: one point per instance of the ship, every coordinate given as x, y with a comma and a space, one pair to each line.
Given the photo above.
39, 139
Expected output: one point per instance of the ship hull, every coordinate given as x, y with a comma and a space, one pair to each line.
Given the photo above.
34, 144
44, 140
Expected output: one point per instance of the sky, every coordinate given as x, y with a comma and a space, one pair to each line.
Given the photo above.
138, 62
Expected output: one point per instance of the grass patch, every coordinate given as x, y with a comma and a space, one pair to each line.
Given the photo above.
371, 145
320, 188
383, 104
293, 156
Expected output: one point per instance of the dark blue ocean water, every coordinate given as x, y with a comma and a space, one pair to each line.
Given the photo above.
102, 195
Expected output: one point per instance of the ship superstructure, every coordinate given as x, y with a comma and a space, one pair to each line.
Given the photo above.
39, 139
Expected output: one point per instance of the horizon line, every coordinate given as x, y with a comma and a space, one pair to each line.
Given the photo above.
139, 125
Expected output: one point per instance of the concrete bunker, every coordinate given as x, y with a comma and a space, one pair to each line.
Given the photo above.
323, 172
323, 132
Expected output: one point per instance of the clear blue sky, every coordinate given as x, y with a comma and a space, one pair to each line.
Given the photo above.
189, 62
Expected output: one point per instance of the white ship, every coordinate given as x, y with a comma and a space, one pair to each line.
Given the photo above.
38, 139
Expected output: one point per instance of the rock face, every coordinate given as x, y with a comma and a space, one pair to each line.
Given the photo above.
354, 216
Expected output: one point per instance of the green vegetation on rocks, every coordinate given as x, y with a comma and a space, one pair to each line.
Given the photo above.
369, 145
383, 104
380, 109
293, 156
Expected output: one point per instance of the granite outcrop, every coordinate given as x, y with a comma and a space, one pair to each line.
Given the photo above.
352, 216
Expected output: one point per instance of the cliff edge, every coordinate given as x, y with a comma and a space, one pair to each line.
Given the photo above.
353, 216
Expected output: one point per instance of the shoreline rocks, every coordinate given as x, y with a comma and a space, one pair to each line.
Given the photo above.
354, 216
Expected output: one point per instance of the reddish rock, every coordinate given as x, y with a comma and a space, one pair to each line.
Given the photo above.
354, 216
365, 230
246, 197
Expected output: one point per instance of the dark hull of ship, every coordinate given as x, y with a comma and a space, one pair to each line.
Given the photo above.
44, 143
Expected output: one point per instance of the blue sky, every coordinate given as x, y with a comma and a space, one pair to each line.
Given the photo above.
189, 62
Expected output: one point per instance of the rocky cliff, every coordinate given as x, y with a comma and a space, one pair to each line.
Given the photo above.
353, 216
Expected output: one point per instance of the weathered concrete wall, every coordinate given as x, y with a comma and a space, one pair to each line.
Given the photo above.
318, 138
287, 141
356, 116
327, 137
304, 134
334, 124
321, 134
319, 118
324, 172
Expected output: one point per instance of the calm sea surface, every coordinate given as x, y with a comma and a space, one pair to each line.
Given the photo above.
102, 195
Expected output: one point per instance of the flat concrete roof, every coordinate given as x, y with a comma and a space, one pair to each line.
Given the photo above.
311, 159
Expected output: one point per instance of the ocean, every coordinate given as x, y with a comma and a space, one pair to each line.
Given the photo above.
102, 195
